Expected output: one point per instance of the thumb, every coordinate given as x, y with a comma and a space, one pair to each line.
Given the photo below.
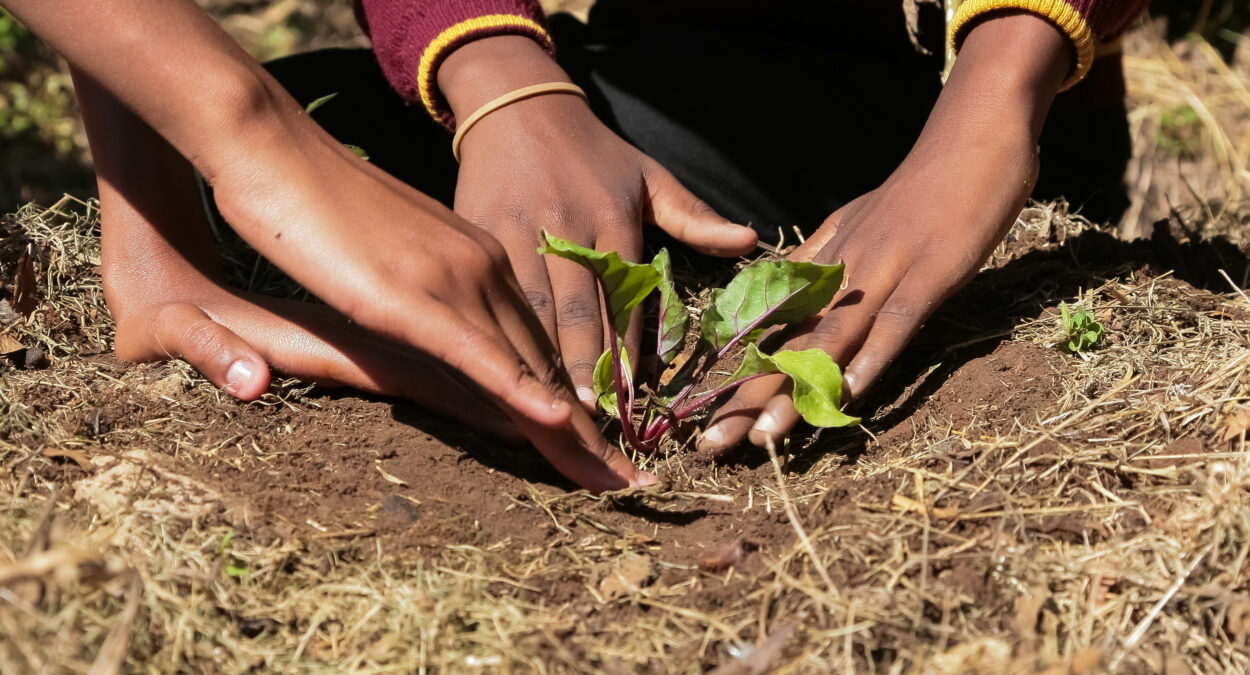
689, 219
183, 330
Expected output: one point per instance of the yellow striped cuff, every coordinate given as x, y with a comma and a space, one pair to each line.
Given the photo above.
1058, 12
455, 35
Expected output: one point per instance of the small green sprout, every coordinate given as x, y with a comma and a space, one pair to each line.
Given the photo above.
225, 542
1081, 328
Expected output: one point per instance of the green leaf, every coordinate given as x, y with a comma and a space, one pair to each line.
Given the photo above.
674, 317
766, 294
237, 571
320, 102
1081, 327
817, 382
357, 150
605, 380
817, 386
626, 283
225, 542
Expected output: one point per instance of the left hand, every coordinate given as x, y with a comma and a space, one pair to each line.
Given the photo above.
914, 241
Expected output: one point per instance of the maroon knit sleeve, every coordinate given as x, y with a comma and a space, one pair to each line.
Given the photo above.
1087, 23
413, 37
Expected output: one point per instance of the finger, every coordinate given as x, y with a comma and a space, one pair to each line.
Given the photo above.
689, 219
487, 354
775, 421
584, 456
532, 275
579, 325
577, 450
315, 343
733, 420
840, 332
184, 331
823, 234
898, 321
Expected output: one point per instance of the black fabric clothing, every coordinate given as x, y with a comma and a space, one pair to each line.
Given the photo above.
774, 124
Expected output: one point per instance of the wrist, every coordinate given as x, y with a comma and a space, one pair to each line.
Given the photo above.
490, 67
999, 89
1009, 69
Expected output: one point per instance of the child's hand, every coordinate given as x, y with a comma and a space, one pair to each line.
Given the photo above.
549, 163
911, 243
401, 265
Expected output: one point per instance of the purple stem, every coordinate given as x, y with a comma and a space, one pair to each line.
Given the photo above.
624, 391
663, 424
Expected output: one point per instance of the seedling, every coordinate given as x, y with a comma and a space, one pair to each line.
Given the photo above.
1081, 328
764, 294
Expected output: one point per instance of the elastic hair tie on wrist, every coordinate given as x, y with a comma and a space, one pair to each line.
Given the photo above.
508, 99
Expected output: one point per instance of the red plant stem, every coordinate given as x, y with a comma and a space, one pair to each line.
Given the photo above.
624, 392
663, 424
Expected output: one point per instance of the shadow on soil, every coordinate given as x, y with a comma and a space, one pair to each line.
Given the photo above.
971, 324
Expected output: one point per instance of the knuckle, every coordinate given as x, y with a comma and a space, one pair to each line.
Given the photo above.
580, 366
577, 311
203, 337
825, 332
554, 215
539, 300
904, 310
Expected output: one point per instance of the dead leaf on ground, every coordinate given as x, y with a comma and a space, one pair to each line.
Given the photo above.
25, 298
10, 345
627, 575
1238, 621
723, 558
1236, 423
390, 478
80, 458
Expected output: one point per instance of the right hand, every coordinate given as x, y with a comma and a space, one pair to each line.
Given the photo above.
400, 264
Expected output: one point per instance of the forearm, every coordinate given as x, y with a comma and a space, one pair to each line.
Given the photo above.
1003, 82
148, 195
173, 66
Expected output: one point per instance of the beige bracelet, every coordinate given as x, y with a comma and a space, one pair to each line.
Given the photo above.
508, 99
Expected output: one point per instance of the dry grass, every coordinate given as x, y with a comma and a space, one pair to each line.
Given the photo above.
1156, 573
1190, 121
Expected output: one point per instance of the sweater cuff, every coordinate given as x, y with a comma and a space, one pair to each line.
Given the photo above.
1063, 15
460, 34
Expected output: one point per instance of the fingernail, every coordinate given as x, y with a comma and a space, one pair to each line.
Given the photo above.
586, 394
240, 375
766, 424
713, 438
